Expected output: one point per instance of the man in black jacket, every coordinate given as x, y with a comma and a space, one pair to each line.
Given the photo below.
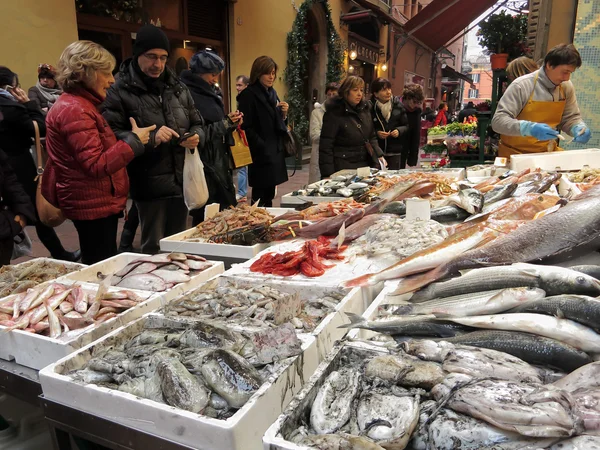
468, 111
150, 92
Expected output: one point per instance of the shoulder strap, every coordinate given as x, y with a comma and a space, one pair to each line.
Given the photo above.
38, 149
359, 126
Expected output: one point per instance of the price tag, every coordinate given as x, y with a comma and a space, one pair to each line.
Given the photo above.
364, 172
287, 308
211, 210
500, 162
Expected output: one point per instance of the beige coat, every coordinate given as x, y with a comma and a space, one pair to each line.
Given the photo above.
316, 122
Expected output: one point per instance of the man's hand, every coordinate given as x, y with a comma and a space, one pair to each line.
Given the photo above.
191, 142
21, 221
394, 133
142, 133
383, 134
164, 134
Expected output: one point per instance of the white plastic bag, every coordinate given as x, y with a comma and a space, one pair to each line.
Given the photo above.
195, 190
23, 245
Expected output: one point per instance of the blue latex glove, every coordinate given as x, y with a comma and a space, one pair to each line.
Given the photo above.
540, 131
581, 133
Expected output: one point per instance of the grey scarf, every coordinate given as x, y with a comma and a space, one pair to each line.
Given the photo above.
50, 95
386, 109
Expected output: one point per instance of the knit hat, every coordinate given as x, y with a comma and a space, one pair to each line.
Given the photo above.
149, 37
46, 71
206, 62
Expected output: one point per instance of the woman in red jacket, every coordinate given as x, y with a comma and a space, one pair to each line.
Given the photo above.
441, 118
89, 162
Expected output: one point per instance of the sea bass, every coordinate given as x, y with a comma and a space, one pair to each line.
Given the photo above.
488, 302
431, 257
564, 330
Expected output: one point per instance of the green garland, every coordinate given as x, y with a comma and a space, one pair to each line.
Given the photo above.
296, 70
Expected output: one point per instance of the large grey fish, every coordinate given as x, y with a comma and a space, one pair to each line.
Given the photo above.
564, 330
333, 404
388, 419
471, 200
450, 213
180, 388
406, 326
554, 280
405, 370
580, 308
499, 192
588, 269
528, 347
572, 226
488, 302
230, 376
525, 408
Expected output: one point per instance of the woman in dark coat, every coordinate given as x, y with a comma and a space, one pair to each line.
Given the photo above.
348, 139
16, 134
412, 99
264, 123
205, 68
391, 123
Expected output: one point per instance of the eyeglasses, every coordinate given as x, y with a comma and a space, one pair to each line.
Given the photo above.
153, 57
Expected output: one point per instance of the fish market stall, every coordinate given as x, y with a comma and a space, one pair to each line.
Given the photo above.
169, 275
57, 318
217, 413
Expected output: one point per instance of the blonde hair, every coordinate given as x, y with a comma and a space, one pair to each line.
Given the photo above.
351, 82
521, 66
79, 63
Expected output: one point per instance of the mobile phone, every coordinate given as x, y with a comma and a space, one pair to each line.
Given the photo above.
184, 137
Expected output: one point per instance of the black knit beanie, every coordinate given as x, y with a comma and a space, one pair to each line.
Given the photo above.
149, 37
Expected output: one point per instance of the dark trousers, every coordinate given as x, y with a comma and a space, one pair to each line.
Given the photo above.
395, 162
97, 238
129, 228
6, 249
159, 219
264, 196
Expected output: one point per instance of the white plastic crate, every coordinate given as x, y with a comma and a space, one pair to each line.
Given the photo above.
242, 431
566, 160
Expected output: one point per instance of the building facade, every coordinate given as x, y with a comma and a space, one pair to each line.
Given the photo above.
482, 76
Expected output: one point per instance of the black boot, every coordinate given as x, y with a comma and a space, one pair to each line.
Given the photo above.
69, 256
126, 243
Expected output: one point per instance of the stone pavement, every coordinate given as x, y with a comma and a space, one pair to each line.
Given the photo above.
68, 235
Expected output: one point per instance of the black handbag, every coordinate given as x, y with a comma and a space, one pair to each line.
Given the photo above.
291, 143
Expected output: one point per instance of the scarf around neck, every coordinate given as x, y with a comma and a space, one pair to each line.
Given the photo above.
49, 94
5, 93
385, 108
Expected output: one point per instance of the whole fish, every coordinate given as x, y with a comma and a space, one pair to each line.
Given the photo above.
418, 190
430, 257
571, 226
528, 347
406, 326
80, 300
230, 376
331, 226
54, 301
46, 293
26, 301
554, 280
144, 282
359, 228
469, 199
397, 207
564, 330
591, 270
54, 323
580, 308
332, 406
488, 302
450, 213
499, 192
171, 276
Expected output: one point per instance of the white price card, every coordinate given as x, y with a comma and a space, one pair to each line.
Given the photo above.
363, 172
500, 162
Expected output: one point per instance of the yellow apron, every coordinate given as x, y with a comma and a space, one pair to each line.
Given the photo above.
549, 113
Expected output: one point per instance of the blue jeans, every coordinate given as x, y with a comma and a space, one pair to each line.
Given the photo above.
242, 189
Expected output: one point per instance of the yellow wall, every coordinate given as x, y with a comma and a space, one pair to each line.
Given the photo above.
562, 22
36, 32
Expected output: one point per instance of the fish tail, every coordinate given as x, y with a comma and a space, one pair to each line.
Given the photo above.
412, 283
355, 319
363, 280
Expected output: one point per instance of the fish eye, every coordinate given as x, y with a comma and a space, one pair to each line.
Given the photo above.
580, 280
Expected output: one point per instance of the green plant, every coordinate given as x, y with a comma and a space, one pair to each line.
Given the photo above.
296, 71
504, 33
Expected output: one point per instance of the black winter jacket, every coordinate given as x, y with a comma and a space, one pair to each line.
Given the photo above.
14, 201
16, 138
397, 121
216, 154
264, 127
158, 173
411, 140
342, 143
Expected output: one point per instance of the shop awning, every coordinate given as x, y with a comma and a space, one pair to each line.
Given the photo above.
442, 20
449, 72
358, 16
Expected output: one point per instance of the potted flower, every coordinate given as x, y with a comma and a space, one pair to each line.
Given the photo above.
503, 36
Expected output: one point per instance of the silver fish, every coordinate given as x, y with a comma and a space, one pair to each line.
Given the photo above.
144, 282
333, 404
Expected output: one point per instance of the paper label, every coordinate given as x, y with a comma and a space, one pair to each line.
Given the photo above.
287, 308
211, 210
363, 172
500, 162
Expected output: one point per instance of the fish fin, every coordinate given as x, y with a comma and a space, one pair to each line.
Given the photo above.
414, 282
341, 235
441, 315
560, 314
363, 280
355, 319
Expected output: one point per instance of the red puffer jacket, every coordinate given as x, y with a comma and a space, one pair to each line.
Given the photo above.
89, 162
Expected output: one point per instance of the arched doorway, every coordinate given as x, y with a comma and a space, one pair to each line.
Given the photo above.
363, 37
314, 86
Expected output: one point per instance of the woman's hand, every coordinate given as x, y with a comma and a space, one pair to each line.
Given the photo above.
284, 108
142, 133
235, 117
19, 94
383, 134
21, 221
394, 133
